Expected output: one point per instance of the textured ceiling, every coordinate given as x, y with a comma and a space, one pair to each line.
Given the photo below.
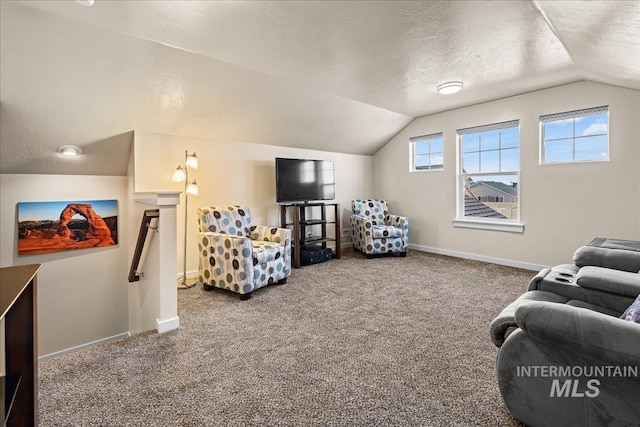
335, 76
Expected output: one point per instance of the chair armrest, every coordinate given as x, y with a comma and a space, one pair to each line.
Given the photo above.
361, 221
225, 261
271, 234
400, 222
397, 221
609, 280
534, 283
594, 335
505, 323
361, 234
276, 235
362, 224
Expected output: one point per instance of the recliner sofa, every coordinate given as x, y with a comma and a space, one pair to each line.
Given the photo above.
565, 357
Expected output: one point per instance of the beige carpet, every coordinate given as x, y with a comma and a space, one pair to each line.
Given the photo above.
351, 342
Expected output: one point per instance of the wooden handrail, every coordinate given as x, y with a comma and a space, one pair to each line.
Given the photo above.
148, 215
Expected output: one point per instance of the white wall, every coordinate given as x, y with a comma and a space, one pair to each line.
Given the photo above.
82, 294
563, 206
236, 173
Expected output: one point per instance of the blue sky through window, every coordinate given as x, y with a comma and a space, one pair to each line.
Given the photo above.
31, 211
576, 139
428, 154
491, 151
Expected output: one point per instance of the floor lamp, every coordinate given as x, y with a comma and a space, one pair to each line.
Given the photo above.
181, 174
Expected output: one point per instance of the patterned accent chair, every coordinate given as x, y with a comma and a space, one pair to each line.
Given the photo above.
374, 231
238, 256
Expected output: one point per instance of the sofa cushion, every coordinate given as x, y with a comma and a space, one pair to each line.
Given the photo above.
380, 231
266, 251
593, 307
609, 280
632, 314
617, 259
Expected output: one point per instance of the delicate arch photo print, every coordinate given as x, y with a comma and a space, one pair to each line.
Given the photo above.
59, 226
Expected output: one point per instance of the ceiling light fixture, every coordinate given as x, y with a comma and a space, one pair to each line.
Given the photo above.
85, 2
449, 87
69, 150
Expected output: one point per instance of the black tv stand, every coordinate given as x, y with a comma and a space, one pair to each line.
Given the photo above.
304, 217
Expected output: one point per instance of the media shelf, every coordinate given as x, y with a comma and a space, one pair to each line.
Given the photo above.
306, 248
8, 390
18, 304
314, 240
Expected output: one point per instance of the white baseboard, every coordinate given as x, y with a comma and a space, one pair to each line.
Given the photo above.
83, 346
190, 274
475, 257
167, 325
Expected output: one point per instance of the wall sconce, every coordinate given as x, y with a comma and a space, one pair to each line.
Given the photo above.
181, 174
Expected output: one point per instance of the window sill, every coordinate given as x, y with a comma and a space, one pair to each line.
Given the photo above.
426, 170
511, 227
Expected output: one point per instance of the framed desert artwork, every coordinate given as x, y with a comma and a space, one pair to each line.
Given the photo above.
59, 226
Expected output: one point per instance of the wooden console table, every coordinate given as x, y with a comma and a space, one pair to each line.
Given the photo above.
18, 306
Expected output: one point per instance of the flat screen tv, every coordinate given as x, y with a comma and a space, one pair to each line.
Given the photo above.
301, 180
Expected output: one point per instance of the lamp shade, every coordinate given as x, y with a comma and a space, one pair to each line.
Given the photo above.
179, 174
192, 161
192, 188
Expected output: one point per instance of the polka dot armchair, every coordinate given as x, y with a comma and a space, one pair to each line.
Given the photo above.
238, 256
374, 231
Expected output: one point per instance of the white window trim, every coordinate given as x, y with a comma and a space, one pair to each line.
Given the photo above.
488, 224
412, 144
572, 115
507, 225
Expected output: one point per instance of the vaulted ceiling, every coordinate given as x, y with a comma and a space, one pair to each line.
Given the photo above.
327, 75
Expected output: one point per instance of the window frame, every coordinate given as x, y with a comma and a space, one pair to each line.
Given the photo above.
412, 151
574, 114
499, 224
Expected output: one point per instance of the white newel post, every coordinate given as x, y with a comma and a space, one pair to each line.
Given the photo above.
158, 288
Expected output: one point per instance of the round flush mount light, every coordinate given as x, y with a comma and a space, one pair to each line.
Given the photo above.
449, 87
69, 150
85, 2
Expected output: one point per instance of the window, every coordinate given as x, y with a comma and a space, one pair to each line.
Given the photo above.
488, 186
575, 136
427, 152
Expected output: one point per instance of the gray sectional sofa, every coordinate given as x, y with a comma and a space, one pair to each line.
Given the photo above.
565, 356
